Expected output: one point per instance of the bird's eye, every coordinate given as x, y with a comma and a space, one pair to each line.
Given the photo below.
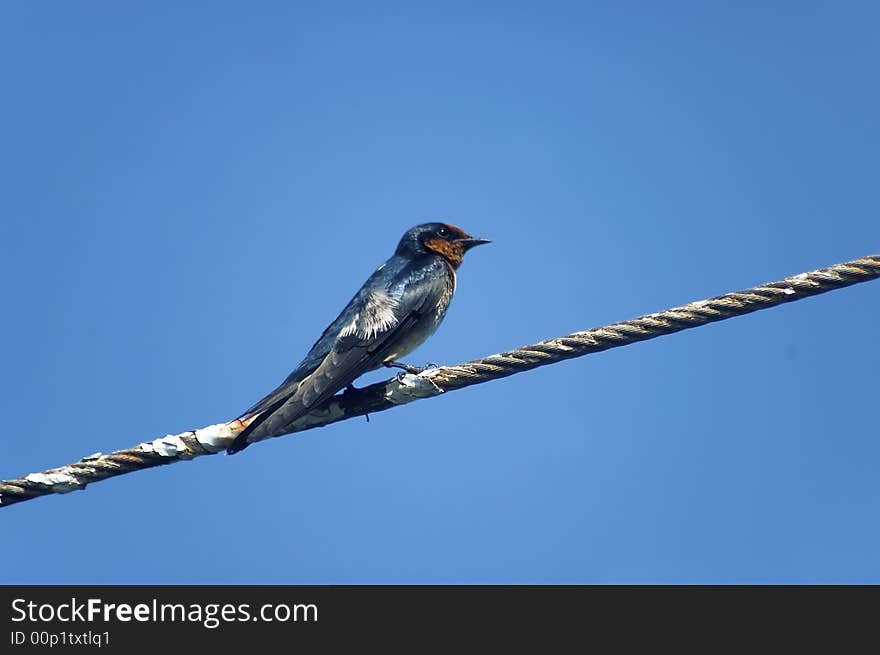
443, 231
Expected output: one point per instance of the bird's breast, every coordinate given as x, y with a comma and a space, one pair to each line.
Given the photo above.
431, 317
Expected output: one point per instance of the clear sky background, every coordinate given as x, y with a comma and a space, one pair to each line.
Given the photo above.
192, 192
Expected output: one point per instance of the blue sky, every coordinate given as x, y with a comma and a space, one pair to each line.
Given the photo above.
191, 195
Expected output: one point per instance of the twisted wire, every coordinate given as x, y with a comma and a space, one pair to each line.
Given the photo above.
650, 326
385, 395
92, 468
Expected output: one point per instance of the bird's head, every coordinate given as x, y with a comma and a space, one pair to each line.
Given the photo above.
442, 239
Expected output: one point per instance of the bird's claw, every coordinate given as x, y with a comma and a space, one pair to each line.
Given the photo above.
409, 368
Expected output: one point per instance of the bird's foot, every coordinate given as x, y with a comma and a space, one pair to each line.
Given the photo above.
409, 368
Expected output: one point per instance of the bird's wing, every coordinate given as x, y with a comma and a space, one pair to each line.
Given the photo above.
381, 319
322, 347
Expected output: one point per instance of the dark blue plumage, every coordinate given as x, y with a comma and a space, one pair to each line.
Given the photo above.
396, 309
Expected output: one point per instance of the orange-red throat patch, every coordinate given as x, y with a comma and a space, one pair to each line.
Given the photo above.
451, 250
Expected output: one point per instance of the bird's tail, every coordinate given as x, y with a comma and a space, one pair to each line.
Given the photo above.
242, 439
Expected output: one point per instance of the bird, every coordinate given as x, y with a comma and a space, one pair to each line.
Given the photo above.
399, 306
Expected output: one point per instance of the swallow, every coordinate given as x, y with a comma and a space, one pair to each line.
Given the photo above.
399, 306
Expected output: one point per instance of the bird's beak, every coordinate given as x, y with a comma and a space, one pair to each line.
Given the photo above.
469, 242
